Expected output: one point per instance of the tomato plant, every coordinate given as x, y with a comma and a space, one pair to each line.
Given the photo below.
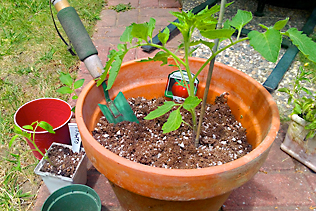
179, 89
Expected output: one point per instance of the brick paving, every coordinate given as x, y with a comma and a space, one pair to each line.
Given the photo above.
281, 184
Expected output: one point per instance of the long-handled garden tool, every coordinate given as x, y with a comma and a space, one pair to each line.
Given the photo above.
115, 111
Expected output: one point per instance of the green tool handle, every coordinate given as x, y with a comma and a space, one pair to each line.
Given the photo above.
76, 33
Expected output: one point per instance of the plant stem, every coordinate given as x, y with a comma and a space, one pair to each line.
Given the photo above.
209, 75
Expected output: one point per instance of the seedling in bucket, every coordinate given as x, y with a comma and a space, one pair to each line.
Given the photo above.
29, 134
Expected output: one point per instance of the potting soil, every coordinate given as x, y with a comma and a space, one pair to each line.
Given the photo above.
223, 139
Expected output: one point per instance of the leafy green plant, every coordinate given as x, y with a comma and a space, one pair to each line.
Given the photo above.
268, 44
122, 7
303, 100
70, 85
29, 133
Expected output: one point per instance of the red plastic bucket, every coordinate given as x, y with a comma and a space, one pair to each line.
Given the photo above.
54, 111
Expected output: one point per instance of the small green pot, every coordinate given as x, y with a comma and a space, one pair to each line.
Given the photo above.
74, 197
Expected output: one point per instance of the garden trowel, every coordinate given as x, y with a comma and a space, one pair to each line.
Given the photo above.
115, 111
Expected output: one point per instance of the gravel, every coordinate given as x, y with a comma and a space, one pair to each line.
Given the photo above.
244, 58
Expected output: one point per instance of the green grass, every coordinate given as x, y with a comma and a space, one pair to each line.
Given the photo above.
31, 58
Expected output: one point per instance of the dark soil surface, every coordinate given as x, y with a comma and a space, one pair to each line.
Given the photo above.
223, 139
64, 161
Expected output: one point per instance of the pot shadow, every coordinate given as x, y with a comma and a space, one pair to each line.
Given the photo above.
248, 196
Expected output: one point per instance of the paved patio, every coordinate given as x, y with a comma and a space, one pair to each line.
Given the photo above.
281, 184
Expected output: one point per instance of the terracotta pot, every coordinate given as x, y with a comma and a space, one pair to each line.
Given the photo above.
296, 144
140, 187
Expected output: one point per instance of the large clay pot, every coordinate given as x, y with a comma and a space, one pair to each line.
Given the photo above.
140, 187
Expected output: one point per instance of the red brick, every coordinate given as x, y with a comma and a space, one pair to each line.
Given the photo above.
108, 18
311, 179
127, 18
157, 12
271, 189
134, 3
277, 159
109, 32
148, 3
42, 195
169, 3
103, 188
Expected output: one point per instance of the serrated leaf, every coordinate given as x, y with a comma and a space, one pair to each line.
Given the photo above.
161, 56
78, 83
127, 35
267, 44
191, 102
115, 67
113, 55
46, 127
174, 121
164, 36
66, 79
151, 27
208, 44
280, 24
140, 31
303, 43
161, 110
217, 33
240, 19
65, 90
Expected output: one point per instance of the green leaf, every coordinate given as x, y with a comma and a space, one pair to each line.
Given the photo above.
174, 121
127, 35
161, 110
241, 19
13, 140
151, 27
303, 43
191, 102
164, 36
218, 33
286, 90
65, 90
78, 83
115, 67
297, 109
66, 79
75, 97
280, 24
28, 127
307, 91
161, 56
311, 126
46, 126
208, 44
267, 44
21, 132
140, 31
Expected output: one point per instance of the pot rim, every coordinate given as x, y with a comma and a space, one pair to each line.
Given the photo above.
263, 146
41, 132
